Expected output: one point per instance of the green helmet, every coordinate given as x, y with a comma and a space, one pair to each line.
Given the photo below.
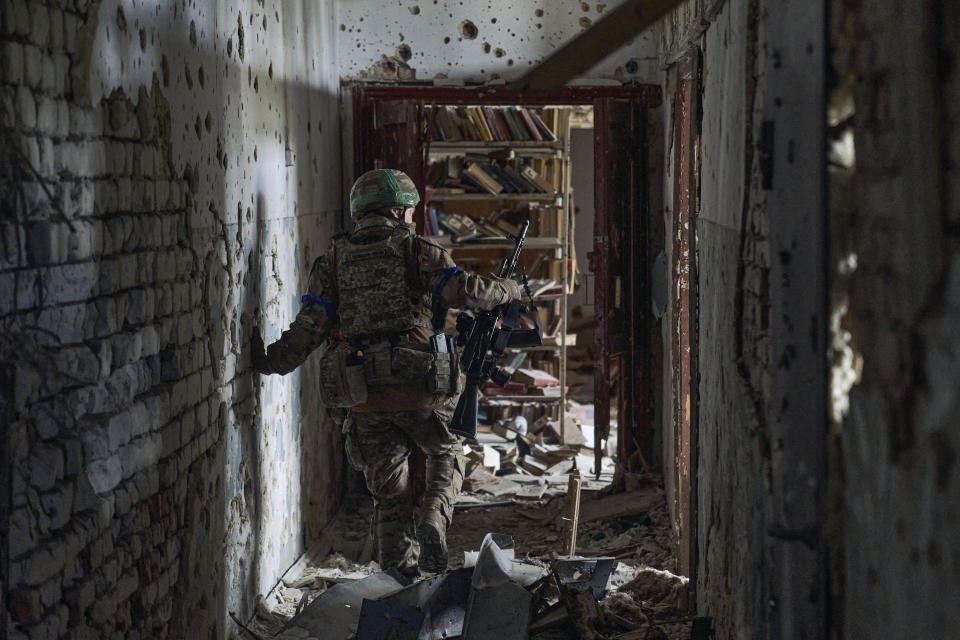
382, 188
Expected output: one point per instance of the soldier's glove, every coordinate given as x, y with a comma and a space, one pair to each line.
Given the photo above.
512, 287
258, 354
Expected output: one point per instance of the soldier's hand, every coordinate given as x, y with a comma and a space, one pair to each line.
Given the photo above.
258, 354
512, 287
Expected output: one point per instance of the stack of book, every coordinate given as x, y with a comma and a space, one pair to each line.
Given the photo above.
477, 174
490, 124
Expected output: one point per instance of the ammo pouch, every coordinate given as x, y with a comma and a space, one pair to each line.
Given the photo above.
403, 364
342, 382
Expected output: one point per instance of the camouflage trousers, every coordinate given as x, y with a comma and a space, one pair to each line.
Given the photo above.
379, 444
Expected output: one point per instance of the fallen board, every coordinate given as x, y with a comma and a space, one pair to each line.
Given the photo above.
618, 505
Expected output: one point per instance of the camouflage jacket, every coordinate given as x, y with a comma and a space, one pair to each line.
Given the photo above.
428, 263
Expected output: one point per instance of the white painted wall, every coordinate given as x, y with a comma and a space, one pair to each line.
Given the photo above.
511, 37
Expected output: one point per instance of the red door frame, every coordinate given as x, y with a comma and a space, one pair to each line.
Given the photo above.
383, 138
683, 330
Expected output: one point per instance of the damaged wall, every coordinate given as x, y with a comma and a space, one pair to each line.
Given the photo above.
895, 119
170, 172
475, 42
761, 323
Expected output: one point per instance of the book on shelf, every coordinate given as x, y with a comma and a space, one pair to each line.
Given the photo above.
553, 328
534, 378
543, 185
494, 124
557, 339
545, 131
481, 178
460, 227
433, 225
531, 126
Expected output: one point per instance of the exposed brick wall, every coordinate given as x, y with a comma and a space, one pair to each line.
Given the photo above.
145, 225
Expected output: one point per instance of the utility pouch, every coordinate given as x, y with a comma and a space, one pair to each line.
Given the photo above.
378, 364
411, 364
444, 376
342, 381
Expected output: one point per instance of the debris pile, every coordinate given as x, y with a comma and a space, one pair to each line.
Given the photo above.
514, 459
617, 585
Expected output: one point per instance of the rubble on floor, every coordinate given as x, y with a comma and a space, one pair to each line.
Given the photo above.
510, 585
514, 460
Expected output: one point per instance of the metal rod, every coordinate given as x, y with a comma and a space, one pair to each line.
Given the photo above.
573, 514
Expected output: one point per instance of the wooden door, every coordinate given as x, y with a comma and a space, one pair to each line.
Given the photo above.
620, 266
388, 136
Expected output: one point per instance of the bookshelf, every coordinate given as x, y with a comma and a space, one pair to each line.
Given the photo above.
488, 169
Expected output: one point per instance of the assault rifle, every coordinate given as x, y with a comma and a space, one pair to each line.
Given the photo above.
483, 337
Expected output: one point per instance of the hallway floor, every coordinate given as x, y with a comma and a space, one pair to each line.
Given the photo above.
643, 595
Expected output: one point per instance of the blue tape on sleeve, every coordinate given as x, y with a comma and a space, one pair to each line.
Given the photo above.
449, 273
323, 302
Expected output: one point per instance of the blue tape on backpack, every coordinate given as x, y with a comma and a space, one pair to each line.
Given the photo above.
326, 304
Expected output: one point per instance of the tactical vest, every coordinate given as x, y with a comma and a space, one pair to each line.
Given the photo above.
373, 283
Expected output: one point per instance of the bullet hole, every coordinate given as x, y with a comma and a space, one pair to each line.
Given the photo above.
270, 71
229, 47
498, 52
486, 47
584, 6
187, 75
254, 154
509, 62
208, 122
198, 127
121, 19
143, 39
446, 40
538, 13
265, 22
493, 21
468, 30
632, 66
539, 25
240, 35
256, 84
343, 27
414, 10
193, 33
402, 37
165, 70
249, 75
585, 22
200, 76
403, 52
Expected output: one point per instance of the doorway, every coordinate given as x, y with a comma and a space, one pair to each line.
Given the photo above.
390, 128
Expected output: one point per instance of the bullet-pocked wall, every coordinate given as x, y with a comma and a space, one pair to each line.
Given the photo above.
759, 249
448, 40
170, 170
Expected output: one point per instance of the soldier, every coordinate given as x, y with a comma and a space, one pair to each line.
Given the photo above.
369, 302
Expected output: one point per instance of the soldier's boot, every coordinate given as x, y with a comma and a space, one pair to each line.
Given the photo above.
432, 536
396, 539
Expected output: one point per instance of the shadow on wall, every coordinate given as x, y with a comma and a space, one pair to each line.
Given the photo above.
136, 430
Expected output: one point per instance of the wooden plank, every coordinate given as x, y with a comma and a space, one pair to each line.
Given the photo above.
619, 505
593, 45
